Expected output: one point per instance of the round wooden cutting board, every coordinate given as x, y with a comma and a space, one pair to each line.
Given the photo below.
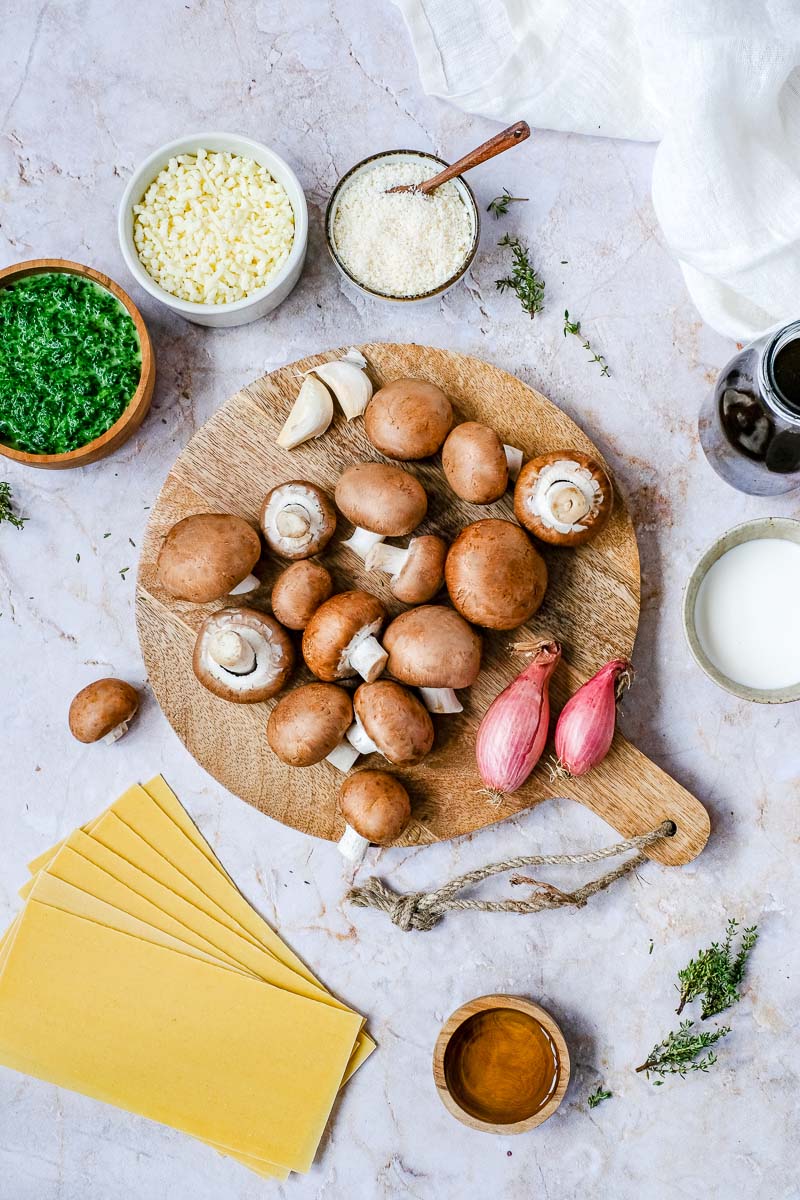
591, 606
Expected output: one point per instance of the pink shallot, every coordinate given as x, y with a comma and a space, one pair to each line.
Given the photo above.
513, 733
585, 728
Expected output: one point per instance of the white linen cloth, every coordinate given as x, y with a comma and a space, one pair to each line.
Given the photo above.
715, 82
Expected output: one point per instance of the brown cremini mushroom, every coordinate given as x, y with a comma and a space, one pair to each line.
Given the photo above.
381, 501
564, 498
434, 649
298, 592
417, 573
297, 519
341, 640
208, 556
103, 710
309, 724
390, 721
476, 463
242, 655
377, 809
494, 574
408, 419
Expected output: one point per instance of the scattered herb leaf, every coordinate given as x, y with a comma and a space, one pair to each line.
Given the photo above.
77, 558
132, 542
650, 951
679, 1052
574, 327
7, 507
123, 572
716, 972
105, 535
598, 1097
528, 285
499, 206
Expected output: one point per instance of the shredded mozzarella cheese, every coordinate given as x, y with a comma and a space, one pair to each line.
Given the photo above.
212, 227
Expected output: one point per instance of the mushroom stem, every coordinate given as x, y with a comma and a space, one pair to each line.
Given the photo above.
352, 845
249, 584
361, 541
342, 756
116, 733
359, 739
568, 502
390, 559
232, 652
293, 521
441, 700
368, 657
514, 460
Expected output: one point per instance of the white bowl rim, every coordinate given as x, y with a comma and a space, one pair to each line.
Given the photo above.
187, 144
746, 531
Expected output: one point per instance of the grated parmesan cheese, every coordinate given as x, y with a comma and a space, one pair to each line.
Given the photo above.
401, 244
213, 227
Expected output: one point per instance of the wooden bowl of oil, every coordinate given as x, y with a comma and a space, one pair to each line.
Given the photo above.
501, 1064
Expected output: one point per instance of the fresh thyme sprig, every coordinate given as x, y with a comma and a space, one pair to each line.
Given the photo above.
7, 507
523, 280
499, 206
574, 327
679, 1052
716, 972
598, 1097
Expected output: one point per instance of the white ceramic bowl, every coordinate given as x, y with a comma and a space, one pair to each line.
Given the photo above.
368, 164
240, 312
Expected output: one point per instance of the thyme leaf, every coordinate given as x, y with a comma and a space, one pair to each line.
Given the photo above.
7, 512
574, 327
598, 1097
499, 206
524, 280
680, 1051
715, 974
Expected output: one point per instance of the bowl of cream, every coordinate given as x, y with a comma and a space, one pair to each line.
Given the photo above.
741, 612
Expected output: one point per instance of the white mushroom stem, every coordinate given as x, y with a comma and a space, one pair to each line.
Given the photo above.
342, 756
565, 493
514, 460
352, 845
361, 541
441, 700
116, 733
247, 585
567, 502
359, 739
293, 521
368, 657
232, 652
390, 559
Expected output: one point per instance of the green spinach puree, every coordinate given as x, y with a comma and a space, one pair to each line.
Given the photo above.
70, 362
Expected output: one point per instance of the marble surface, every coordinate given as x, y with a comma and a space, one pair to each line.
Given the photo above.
86, 90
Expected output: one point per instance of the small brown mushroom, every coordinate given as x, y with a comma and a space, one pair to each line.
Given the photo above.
242, 655
434, 649
408, 418
377, 809
564, 498
297, 519
298, 592
416, 573
381, 501
103, 710
208, 556
476, 463
494, 574
341, 640
309, 724
390, 721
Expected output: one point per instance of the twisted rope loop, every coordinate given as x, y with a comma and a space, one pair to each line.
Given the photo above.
423, 910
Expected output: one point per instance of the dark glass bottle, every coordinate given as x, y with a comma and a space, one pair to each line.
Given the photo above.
750, 422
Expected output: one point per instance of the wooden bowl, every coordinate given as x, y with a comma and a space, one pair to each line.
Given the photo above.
134, 414
455, 1059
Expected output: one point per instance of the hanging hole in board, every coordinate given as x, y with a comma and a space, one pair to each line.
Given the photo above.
673, 829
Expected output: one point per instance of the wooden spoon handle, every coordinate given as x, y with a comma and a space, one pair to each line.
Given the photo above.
495, 145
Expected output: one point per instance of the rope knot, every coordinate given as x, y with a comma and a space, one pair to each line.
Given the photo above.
416, 910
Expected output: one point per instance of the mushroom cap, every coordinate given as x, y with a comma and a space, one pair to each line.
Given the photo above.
433, 646
422, 574
376, 805
408, 418
298, 592
305, 725
543, 471
334, 626
270, 642
205, 556
474, 463
397, 722
301, 503
381, 498
100, 707
494, 574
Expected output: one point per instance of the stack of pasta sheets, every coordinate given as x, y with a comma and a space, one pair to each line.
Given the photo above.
137, 973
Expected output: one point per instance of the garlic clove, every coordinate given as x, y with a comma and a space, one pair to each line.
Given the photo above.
312, 413
349, 382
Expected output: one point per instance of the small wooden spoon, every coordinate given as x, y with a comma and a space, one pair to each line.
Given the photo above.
496, 145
